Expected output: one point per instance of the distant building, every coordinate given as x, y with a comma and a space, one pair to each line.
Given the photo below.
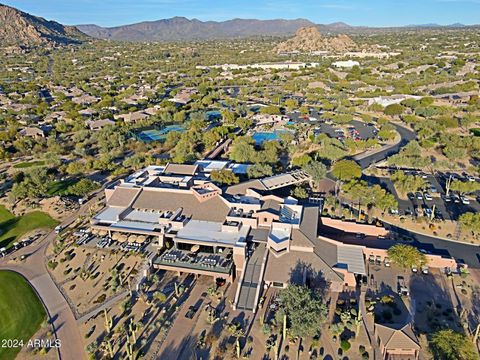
346, 64
33, 132
99, 124
265, 119
184, 96
85, 99
264, 66
389, 100
133, 116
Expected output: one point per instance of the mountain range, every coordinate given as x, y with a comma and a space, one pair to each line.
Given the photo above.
180, 28
18, 28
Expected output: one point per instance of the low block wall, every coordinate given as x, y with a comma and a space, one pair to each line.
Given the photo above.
352, 227
434, 261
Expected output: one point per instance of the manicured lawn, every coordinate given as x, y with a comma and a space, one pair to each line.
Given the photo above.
21, 312
13, 228
60, 187
25, 165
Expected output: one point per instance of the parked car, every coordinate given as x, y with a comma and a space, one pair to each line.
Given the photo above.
419, 195
394, 211
427, 211
425, 269
414, 269
447, 198
427, 196
386, 262
465, 200
456, 198
411, 196
402, 287
470, 178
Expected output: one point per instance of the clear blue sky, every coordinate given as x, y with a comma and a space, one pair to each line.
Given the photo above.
354, 12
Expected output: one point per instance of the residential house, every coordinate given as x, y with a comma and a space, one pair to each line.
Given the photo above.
397, 342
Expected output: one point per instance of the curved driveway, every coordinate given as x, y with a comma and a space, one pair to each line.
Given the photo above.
34, 269
462, 252
406, 136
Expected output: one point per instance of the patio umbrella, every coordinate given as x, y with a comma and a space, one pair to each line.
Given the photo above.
141, 239
122, 238
132, 238
195, 248
116, 236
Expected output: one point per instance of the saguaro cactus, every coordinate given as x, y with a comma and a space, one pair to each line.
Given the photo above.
108, 321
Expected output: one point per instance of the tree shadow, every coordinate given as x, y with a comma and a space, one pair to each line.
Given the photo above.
432, 304
390, 307
304, 273
185, 350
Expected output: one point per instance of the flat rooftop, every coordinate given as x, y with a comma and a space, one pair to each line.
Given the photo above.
211, 232
281, 180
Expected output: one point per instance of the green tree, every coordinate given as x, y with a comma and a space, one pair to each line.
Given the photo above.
394, 110
299, 192
83, 187
346, 170
316, 170
259, 170
225, 177
304, 308
471, 221
406, 256
243, 150
450, 345
405, 184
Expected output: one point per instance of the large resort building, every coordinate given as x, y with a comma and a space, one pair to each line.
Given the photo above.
248, 234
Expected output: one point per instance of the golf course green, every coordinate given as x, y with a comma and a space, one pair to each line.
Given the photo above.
21, 312
12, 228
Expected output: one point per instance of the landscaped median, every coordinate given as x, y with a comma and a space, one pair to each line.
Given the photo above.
21, 314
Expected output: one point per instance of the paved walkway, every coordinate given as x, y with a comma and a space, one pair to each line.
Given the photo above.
34, 269
180, 336
369, 323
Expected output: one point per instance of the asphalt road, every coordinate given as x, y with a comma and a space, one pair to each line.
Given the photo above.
466, 253
34, 269
406, 136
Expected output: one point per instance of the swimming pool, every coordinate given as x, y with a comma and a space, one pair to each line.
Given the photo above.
261, 137
213, 115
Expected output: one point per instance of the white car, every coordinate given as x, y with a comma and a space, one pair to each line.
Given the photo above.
470, 178
414, 269
427, 196
465, 200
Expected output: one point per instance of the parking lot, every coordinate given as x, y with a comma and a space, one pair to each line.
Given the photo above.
420, 204
354, 129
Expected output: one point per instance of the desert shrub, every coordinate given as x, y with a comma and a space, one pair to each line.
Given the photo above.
100, 299
345, 345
